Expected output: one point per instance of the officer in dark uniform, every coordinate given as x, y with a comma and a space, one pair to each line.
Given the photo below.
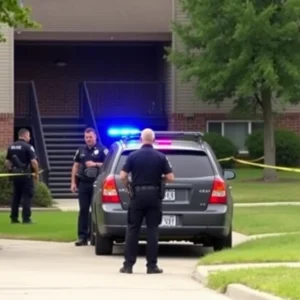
147, 167
21, 158
87, 163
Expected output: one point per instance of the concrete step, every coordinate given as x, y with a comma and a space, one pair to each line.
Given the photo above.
64, 195
57, 139
64, 185
57, 157
61, 134
60, 174
61, 163
61, 168
62, 151
70, 146
64, 126
53, 179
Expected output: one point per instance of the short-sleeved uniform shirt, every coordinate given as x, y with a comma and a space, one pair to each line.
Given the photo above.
147, 165
96, 154
23, 150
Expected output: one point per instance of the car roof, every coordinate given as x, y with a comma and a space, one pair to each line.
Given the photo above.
174, 145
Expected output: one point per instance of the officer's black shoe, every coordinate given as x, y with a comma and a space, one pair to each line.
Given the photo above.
154, 270
126, 270
81, 242
15, 221
28, 222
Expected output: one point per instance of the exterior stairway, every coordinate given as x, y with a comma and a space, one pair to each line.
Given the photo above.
62, 137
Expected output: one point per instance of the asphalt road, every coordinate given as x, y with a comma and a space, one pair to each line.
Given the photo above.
40, 270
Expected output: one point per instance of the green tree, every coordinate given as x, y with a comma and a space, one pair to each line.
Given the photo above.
246, 50
15, 15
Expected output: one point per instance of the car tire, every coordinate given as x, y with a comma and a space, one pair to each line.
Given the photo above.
92, 233
103, 245
222, 243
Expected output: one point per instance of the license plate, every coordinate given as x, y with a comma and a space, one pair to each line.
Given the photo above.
170, 195
168, 221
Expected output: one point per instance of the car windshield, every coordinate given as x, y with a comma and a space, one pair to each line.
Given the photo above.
185, 163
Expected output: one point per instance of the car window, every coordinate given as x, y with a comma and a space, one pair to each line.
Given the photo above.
108, 158
185, 163
220, 169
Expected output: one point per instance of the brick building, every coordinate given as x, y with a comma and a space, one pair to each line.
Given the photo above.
101, 63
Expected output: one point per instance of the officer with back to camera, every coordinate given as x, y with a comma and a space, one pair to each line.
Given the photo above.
147, 167
21, 158
87, 163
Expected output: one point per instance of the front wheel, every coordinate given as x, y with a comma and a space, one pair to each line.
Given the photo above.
222, 243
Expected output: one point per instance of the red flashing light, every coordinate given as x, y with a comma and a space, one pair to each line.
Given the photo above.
218, 194
109, 191
164, 142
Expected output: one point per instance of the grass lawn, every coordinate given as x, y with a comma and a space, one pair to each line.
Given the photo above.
262, 219
280, 281
247, 187
51, 226
283, 248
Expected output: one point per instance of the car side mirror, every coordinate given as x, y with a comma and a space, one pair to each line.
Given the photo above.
229, 175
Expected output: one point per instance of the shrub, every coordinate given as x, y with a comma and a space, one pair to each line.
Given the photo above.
222, 146
42, 196
287, 145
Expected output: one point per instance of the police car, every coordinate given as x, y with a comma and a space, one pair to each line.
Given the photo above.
197, 207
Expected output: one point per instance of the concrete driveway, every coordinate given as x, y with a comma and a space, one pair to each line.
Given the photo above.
41, 270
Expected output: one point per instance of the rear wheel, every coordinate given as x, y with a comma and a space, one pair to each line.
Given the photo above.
92, 232
222, 243
103, 245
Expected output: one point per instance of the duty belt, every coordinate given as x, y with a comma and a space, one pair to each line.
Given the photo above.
140, 188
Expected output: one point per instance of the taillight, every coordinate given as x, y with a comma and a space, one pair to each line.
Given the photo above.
218, 194
109, 191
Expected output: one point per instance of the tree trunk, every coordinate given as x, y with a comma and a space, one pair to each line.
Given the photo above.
269, 138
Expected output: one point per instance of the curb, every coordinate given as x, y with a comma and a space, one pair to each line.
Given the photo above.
235, 291
256, 204
200, 276
239, 291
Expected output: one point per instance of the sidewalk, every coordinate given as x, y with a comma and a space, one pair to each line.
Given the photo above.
234, 291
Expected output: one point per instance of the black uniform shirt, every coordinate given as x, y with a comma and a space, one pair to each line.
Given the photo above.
23, 150
96, 154
146, 166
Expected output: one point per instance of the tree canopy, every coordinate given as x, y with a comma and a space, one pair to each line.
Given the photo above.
15, 15
246, 50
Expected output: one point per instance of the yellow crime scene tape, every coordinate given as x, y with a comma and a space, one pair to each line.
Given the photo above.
252, 162
255, 164
18, 174
233, 158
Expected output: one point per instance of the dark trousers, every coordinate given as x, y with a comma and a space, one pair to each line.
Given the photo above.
144, 205
23, 191
85, 194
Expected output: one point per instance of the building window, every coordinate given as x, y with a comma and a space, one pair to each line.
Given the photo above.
236, 131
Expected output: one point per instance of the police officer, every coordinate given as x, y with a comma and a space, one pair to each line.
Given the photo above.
147, 167
21, 158
87, 162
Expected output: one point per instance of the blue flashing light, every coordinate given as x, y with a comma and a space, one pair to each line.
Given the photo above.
122, 131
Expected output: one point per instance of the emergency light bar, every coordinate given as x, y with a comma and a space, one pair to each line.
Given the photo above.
162, 137
122, 131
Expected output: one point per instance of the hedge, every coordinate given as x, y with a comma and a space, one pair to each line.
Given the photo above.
287, 145
222, 146
42, 196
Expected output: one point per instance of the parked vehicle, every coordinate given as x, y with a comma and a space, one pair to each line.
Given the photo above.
198, 206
